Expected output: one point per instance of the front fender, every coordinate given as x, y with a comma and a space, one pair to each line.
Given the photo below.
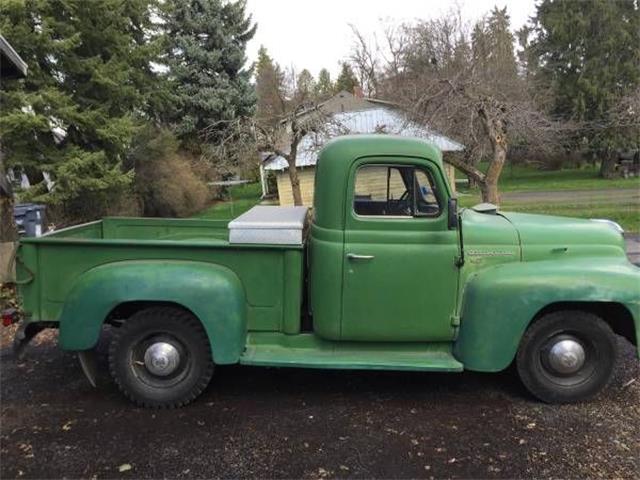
212, 292
500, 302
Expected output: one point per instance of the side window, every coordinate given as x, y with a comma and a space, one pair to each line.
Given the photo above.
426, 199
395, 191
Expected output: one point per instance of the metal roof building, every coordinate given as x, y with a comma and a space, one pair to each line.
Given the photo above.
11, 65
348, 114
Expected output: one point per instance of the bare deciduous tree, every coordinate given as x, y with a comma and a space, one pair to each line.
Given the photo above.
486, 123
465, 86
303, 128
365, 60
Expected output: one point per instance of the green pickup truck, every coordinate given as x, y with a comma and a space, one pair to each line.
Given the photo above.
385, 272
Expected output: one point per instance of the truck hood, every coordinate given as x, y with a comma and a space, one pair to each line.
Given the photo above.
544, 236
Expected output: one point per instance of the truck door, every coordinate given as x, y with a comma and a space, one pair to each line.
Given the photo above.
399, 272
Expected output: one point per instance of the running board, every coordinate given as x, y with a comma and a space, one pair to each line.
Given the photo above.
308, 351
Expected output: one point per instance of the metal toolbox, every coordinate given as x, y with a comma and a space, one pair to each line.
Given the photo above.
269, 225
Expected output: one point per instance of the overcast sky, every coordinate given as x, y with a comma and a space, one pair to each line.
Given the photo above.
315, 33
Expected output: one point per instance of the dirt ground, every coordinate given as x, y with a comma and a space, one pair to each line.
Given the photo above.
259, 422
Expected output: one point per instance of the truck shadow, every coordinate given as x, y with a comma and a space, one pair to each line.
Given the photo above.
239, 380
251, 383
254, 382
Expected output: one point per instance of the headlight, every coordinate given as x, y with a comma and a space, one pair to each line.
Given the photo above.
611, 223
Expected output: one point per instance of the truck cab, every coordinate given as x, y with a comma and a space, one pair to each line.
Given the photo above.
385, 272
383, 255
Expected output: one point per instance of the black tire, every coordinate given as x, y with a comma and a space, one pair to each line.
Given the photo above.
536, 360
161, 326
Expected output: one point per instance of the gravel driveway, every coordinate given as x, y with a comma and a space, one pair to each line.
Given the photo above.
259, 422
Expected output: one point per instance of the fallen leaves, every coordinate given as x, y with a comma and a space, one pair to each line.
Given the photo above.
26, 449
125, 467
630, 382
67, 426
322, 473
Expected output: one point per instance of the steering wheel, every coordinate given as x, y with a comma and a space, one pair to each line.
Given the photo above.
402, 206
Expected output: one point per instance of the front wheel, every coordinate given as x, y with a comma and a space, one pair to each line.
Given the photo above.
160, 358
566, 356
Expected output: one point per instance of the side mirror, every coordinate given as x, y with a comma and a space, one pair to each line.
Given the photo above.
452, 213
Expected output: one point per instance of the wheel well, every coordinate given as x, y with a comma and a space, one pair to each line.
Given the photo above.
127, 309
616, 315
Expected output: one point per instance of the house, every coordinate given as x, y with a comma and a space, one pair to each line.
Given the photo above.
353, 114
11, 65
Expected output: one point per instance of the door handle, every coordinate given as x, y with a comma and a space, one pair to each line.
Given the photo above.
355, 256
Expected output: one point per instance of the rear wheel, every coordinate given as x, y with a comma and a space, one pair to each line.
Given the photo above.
160, 357
566, 356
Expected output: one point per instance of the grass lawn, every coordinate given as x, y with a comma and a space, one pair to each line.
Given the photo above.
624, 209
240, 199
529, 179
626, 213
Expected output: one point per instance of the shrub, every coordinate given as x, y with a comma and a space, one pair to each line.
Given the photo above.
92, 206
164, 176
77, 197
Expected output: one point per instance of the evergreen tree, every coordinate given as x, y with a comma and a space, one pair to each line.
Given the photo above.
479, 42
494, 56
527, 61
501, 42
88, 83
590, 59
347, 80
462, 54
324, 87
206, 57
305, 85
269, 88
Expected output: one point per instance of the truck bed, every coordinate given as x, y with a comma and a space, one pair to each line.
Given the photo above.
49, 266
145, 229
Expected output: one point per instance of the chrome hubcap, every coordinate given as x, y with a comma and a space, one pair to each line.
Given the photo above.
566, 356
162, 359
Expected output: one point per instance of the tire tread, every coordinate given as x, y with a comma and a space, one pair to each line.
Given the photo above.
178, 316
562, 318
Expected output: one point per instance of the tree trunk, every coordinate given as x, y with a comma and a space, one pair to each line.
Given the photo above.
496, 129
295, 184
467, 168
490, 187
8, 231
473, 183
291, 160
607, 167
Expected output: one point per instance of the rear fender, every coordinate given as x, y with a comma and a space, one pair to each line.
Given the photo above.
500, 302
213, 293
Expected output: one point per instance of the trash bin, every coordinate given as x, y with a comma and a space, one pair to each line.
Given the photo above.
29, 219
